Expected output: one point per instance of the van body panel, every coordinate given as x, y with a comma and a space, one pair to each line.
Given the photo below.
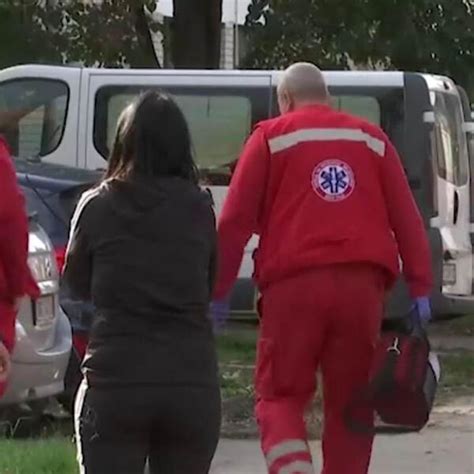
451, 179
182, 83
469, 129
424, 115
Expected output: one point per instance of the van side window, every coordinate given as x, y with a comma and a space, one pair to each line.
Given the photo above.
450, 141
363, 106
219, 119
33, 115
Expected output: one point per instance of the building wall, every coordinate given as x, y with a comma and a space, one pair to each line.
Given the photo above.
227, 46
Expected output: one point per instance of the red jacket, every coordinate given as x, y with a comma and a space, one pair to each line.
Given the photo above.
15, 276
321, 187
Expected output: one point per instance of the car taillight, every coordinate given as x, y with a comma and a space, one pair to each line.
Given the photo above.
42, 267
60, 253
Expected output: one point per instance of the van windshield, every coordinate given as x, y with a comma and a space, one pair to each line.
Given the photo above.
33, 115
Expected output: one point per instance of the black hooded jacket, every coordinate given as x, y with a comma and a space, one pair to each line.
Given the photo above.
143, 252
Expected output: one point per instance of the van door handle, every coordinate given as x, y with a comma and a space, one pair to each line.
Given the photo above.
456, 207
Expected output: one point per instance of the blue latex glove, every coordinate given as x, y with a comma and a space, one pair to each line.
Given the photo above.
220, 311
422, 306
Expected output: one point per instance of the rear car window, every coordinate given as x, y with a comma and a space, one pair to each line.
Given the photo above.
33, 115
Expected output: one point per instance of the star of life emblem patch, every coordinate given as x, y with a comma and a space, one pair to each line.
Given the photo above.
333, 180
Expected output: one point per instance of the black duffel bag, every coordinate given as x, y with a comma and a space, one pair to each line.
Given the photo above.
403, 383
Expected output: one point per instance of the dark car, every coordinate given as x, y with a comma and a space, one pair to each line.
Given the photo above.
51, 193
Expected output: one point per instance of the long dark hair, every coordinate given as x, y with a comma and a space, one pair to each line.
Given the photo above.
152, 140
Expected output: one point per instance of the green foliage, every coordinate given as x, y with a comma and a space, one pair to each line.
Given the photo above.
111, 33
285, 31
457, 370
53, 456
21, 37
422, 35
237, 347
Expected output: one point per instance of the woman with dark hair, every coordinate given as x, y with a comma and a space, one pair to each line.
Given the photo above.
142, 249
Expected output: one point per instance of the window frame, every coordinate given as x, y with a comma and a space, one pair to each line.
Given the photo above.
66, 110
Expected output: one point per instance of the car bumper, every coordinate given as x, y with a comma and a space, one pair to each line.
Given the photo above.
448, 306
38, 374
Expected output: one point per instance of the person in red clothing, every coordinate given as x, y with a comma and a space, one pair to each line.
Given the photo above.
327, 195
15, 276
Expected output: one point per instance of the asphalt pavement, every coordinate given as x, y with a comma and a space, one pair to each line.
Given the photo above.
446, 446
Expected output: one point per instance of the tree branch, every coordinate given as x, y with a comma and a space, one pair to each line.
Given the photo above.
145, 40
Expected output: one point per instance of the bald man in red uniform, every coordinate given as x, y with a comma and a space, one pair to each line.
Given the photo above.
327, 195
15, 277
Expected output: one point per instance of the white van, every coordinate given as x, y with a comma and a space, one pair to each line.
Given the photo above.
67, 116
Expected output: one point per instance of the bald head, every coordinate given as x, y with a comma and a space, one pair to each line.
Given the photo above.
301, 84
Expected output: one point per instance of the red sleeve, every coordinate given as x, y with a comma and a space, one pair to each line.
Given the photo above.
240, 215
407, 225
13, 231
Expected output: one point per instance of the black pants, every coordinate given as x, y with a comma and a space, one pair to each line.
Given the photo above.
175, 428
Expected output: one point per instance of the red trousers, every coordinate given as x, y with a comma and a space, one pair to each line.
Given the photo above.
7, 331
330, 319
